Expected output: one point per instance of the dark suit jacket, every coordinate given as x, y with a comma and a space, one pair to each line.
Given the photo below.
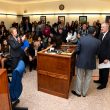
29, 26
104, 52
15, 47
88, 48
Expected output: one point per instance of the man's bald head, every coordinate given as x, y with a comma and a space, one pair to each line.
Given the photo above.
104, 27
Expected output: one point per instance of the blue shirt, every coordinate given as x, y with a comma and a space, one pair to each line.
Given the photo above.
25, 44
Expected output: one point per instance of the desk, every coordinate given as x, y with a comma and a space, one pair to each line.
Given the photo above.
4, 91
55, 72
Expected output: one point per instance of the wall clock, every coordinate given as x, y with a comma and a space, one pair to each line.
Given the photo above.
61, 7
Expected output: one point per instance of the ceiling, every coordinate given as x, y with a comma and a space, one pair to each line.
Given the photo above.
52, 6
36, 1
26, 1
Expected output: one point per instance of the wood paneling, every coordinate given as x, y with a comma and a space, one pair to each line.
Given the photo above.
55, 72
4, 91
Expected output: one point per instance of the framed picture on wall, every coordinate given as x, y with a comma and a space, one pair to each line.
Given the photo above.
83, 19
107, 19
61, 19
43, 19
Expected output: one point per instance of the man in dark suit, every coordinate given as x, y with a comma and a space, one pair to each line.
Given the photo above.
104, 55
27, 26
88, 47
15, 47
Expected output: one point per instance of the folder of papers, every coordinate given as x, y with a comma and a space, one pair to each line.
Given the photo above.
104, 65
66, 53
1, 53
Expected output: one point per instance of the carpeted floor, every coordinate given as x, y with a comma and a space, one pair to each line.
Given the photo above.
36, 100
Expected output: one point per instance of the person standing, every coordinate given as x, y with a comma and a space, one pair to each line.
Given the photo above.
83, 31
27, 26
15, 47
104, 55
85, 61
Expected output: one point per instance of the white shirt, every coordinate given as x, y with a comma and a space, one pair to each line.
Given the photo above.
71, 37
104, 35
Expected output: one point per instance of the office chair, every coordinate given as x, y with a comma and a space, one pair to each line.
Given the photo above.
15, 86
8, 66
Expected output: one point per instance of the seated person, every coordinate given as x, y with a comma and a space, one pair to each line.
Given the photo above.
32, 58
44, 41
4, 52
38, 44
50, 41
29, 38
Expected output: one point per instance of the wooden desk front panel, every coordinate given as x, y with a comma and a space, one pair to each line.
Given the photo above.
54, 74
4, 91
52, 85
59, 65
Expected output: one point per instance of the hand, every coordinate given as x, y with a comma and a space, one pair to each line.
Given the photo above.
23, 38
18, 39
30, 58
78, 35
106, 61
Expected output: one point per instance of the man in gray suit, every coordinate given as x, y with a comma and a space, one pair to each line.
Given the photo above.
87, 50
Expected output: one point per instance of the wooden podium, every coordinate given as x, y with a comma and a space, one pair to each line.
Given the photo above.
4, 91
55, 71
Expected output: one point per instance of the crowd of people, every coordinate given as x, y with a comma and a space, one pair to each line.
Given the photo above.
24, 40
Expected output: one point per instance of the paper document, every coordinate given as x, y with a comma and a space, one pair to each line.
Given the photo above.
1, 53
104, 65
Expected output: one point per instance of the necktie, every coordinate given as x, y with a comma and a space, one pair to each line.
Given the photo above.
103, 36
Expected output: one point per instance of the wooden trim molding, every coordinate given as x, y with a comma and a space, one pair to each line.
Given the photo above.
55, 75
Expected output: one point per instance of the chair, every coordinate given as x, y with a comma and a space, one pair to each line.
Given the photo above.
15, 86
8, 66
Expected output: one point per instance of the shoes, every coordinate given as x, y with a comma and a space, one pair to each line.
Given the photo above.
84, 95
34, 68
30, 69
97, 81
101, 87
75, 93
